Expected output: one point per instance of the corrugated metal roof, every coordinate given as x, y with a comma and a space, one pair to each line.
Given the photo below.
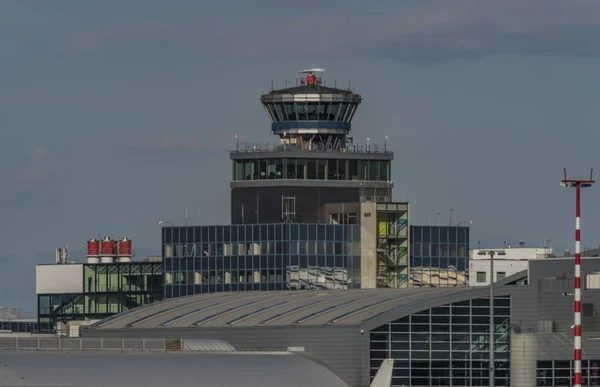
206, 345
276, 308
114, 369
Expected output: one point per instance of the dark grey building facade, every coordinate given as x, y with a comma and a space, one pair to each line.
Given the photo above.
437, 336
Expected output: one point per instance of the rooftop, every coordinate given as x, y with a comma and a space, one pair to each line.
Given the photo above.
311, 89
54, 368
294, 308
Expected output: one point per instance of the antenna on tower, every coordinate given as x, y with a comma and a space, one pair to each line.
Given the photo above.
310, 79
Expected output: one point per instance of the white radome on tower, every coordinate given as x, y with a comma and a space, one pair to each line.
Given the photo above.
312, 70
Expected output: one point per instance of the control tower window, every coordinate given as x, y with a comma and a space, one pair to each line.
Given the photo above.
352, 111
262, 169
239, 170
249, 170
301, 169
278, 108
342, 111
343, 169
322, 165
323, 111
353, 173
275, 169
269, 113
301, 110
311, 170
312, 111
363, 169
384, 170
333, 111
332, 170
373, 170
296, 168
290, 113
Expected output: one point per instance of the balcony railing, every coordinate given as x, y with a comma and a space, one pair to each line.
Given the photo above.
85, 344
249, 147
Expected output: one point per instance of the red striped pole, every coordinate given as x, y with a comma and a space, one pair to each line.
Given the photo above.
577, 329
577, 184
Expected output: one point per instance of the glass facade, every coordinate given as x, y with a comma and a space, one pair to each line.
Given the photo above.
446, 345
108, 289
560, 372
311, 169
280, 256
439, 256
311, 111
19, 325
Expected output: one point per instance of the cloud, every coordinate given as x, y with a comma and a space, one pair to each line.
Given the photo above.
98, 40
40, 166
31, 180
428, 31
182, 140
424, 31
469, 28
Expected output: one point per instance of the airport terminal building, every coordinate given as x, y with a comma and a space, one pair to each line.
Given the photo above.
436, 336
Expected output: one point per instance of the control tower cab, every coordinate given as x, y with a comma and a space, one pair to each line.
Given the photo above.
311, 115
315, 161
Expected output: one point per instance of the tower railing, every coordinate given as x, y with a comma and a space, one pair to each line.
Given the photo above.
249, 147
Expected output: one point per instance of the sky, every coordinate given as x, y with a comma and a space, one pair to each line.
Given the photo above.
117, 114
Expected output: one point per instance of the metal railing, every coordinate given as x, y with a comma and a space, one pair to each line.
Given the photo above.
87, 344
248, 147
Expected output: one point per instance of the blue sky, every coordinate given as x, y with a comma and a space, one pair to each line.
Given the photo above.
117, 114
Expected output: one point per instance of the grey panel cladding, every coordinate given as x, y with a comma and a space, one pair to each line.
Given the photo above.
524, 308
263, 205
558, 269
555, 285
338, 348
559, 308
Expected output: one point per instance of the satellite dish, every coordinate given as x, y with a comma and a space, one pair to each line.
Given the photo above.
313, 70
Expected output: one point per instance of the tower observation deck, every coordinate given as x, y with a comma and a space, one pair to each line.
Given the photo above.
315, 161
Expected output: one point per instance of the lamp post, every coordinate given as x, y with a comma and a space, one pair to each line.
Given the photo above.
492, 328
577, 184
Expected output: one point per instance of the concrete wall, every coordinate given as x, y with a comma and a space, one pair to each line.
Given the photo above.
368, 245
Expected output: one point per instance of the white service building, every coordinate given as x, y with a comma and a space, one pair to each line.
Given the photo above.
512, 261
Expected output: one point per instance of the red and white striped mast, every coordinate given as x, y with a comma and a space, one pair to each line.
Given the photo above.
577, 184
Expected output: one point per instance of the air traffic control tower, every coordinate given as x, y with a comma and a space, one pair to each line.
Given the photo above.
314, 163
